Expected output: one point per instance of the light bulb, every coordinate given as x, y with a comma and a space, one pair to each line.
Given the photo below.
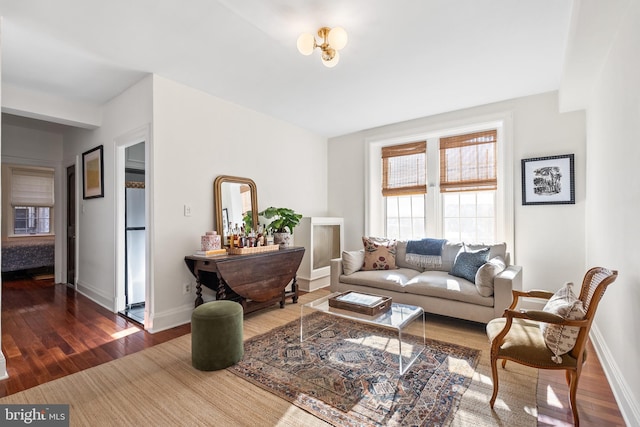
306, 43
333, 62
337, 38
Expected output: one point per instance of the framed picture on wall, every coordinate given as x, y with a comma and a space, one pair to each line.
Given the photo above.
548, 180
92, 173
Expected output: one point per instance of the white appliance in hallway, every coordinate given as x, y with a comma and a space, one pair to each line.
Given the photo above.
135, 244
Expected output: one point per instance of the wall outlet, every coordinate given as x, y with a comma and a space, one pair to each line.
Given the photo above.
186, 289
187, 210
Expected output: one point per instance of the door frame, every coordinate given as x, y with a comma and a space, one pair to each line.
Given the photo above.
69, 208
136, 136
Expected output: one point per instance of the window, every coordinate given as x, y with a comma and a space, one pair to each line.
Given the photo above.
32, 200
469, 216
404, 169
31, 220
404, 186
406, 218
468, 162
468, 184
461, 204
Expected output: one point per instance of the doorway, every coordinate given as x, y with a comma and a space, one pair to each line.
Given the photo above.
134, 240
71, 225
132, 227
134, 233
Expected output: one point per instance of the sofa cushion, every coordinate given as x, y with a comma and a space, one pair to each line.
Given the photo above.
467, 264
486, 274
426, 252
559, 338
442, 285
379, 253
449, 253
392, 280
498, 249
352, 261
401, 255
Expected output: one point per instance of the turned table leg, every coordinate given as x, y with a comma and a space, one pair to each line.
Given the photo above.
294, 289
199, 299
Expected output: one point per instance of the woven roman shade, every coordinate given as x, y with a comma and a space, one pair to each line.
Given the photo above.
468, 162
32, 187
404, 169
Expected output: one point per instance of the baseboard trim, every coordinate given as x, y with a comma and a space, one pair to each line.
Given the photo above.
169, 319
310, 285
621, 391
95, 295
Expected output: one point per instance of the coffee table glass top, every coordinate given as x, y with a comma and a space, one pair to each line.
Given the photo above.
397, 317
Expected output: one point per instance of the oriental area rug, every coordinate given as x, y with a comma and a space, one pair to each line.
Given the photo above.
349, 374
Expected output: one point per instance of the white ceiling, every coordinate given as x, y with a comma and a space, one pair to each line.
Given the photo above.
405, 58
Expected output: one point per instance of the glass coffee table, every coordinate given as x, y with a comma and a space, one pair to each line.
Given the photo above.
397, 318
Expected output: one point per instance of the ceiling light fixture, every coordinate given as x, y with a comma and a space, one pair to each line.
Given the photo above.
333, 40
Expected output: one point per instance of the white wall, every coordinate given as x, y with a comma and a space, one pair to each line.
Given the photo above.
23, 139
549, 239
96, 227
197, 137
613, 203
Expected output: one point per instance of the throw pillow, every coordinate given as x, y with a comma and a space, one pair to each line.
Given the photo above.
561, 339
467, 264
352, 261
486, 273
379, 253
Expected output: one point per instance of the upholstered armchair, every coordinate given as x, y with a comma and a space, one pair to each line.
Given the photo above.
518, 336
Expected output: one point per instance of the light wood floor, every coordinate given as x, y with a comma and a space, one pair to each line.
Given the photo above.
49, 331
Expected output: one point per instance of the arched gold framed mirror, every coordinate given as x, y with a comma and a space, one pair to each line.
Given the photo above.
235, 203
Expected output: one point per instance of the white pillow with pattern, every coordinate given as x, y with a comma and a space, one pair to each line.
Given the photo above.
561, 339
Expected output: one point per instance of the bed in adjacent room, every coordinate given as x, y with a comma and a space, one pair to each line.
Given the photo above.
26, 253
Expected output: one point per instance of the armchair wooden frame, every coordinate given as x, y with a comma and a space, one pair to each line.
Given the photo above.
524, 324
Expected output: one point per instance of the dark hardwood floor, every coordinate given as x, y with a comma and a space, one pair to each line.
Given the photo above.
49, 331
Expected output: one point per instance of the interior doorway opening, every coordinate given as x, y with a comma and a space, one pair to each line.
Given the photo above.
134, 236
132, 227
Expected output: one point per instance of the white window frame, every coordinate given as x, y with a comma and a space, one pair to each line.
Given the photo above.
374, 201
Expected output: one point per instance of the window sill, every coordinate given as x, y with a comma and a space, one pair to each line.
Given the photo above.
27, 236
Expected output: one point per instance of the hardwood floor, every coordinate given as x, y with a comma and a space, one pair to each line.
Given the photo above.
596, 405
49, 331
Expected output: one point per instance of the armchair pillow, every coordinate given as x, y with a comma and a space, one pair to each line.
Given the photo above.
561, 339
379, 253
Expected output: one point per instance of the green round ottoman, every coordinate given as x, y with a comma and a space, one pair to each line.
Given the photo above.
216, 335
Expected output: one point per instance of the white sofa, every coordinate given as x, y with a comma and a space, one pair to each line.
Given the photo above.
435, 290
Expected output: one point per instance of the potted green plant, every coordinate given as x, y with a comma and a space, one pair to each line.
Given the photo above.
283, 224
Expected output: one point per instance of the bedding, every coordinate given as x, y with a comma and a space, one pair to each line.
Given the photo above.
27, 252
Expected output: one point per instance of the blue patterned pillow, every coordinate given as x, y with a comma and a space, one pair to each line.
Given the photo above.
467, 264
